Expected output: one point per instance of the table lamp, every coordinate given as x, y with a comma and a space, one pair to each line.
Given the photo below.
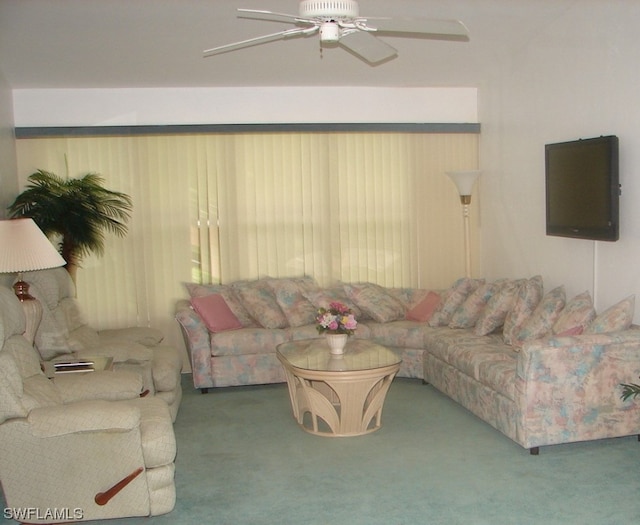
464, 181
24, 248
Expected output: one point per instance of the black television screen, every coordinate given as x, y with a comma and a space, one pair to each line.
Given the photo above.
582, 188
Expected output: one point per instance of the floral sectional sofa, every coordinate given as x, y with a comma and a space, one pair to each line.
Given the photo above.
539, 368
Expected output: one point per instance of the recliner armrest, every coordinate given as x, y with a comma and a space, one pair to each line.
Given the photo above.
105, 385
83, 416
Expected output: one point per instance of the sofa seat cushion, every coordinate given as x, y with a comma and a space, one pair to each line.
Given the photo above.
486, 359
247, 341
441, 341
403, 334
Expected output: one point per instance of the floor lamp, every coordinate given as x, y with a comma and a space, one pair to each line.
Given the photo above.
24, 248
464, 181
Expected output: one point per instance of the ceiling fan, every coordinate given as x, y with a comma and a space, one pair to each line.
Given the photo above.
338, 22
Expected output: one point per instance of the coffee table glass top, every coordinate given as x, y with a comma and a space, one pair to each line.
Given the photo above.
359, 354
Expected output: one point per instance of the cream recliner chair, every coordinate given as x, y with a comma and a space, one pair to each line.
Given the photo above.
82, 447
63, 330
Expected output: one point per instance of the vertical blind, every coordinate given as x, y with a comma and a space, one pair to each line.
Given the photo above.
216, 207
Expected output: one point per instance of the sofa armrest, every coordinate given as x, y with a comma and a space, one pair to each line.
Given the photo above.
568, 388
106, 385
198, 342
82, 417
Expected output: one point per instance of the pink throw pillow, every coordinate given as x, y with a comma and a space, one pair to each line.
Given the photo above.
215, 313
576, 330
423, 311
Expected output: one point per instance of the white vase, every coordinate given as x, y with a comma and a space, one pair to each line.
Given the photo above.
336, 342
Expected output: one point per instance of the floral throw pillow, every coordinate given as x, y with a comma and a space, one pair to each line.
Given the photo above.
545, 315
259, 300
527, 300
323, 298
614, 319
468, 312
455, 297
373, 301
495, 313
579, 311
296, 307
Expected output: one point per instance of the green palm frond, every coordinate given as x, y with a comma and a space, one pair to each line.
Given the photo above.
79, 210
630, 390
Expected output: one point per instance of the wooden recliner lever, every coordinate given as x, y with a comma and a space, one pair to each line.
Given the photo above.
102, 498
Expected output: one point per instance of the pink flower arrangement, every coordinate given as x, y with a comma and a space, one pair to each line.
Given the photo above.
337, 319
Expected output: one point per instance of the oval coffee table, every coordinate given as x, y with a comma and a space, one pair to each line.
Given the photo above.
338, 395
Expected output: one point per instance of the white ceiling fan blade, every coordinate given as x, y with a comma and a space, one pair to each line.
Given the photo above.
281, 35
367, 46
258, 14
428, 28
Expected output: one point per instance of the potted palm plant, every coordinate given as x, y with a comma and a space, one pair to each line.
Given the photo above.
76, 211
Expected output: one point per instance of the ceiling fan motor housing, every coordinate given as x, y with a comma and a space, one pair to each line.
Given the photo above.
329, 10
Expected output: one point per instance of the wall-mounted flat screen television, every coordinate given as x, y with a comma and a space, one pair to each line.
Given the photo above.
582, 188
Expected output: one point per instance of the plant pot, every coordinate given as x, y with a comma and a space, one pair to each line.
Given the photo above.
336, 342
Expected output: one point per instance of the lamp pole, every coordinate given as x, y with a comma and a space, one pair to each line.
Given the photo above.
464, 181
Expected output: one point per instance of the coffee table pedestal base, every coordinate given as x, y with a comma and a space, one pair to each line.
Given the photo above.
339, 405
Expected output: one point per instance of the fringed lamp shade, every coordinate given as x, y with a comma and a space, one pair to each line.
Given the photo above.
24, 248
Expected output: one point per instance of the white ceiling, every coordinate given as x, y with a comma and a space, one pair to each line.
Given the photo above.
159, 43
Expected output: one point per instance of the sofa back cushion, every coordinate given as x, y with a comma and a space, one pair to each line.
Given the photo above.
527, 300
577, 313
289, 294
500, 304
375, 302
467, 314
614, 319
322, 298
452, 299
543, 318
259, 300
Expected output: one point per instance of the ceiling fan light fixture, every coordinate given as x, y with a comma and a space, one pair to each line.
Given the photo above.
329, 33
329, 9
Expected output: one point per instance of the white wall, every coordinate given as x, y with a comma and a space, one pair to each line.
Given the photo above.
577, 78
157, 106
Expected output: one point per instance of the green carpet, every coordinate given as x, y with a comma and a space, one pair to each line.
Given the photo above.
242, 460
